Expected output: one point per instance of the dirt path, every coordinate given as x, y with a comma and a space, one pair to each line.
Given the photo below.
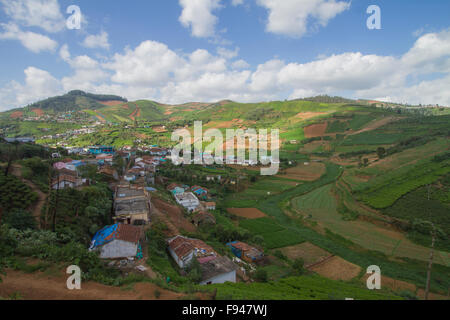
173, 230
136, 113
375, 125
39, 286
173, 216
35, 208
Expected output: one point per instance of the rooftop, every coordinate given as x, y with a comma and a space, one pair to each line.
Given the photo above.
183, 246
187, 196
216, 267
123, 192
130, 207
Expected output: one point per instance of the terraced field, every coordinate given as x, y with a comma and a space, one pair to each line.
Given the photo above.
321, 205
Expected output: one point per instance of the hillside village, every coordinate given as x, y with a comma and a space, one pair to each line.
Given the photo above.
133, 212
108, 195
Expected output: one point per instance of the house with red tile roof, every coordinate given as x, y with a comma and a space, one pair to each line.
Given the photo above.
184, 249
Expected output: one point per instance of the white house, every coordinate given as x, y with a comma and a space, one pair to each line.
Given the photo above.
66, 181
187, 200
117, 241
218, 270
183, 250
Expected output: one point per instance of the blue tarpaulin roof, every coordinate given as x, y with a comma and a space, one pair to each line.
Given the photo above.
105, 235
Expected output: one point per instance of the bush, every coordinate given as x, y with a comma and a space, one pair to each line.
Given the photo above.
298, 266
20, 219
408, 295
261, 275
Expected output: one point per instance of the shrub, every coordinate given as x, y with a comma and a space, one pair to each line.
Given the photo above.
261, 275
20, 219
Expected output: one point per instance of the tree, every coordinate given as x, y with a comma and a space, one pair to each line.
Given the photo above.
195, 271
298, 266
88, 171
381, 152
261, 275
366, 162
20, 219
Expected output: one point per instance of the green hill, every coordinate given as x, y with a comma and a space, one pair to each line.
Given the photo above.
74, 101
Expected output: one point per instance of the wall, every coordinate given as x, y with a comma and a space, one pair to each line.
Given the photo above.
222, 278
181, 263
118, 249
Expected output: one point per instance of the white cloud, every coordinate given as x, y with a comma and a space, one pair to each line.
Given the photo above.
64, 53
34, 42
45, 14
154, 71
150, 64
88, 73
293, 17
348, 71
430, 53
97, 41
198, 15
39, 84
228, 54
240, 64
237, 2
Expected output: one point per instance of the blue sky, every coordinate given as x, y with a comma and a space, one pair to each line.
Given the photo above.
177, 51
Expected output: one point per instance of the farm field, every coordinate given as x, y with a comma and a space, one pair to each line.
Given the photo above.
299, 288
316, 130
305, 172
321, 206
336, 268
275, 236
261, 189
306, 251
248, 213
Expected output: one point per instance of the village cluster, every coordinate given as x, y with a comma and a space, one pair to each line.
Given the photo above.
122, 243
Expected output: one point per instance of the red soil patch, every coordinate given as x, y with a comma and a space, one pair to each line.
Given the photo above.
100, 118
16, 115
111, 103
308, 115
168, 113
302, 172
174, 214
159, 129
135, 114
393, 284
310, 253
376, 124
248, 213
39, 286
316, 130
39, 112
336, 268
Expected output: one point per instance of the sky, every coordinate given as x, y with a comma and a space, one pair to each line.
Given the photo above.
177, 51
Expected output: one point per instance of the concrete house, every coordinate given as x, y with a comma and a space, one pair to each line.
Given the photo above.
245, 252
66, 181
183, 250
188, 200
118, 241
203, 218
101, 150
209, 205
218, 270
109, 172
175, 188
131, 205
199, 191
